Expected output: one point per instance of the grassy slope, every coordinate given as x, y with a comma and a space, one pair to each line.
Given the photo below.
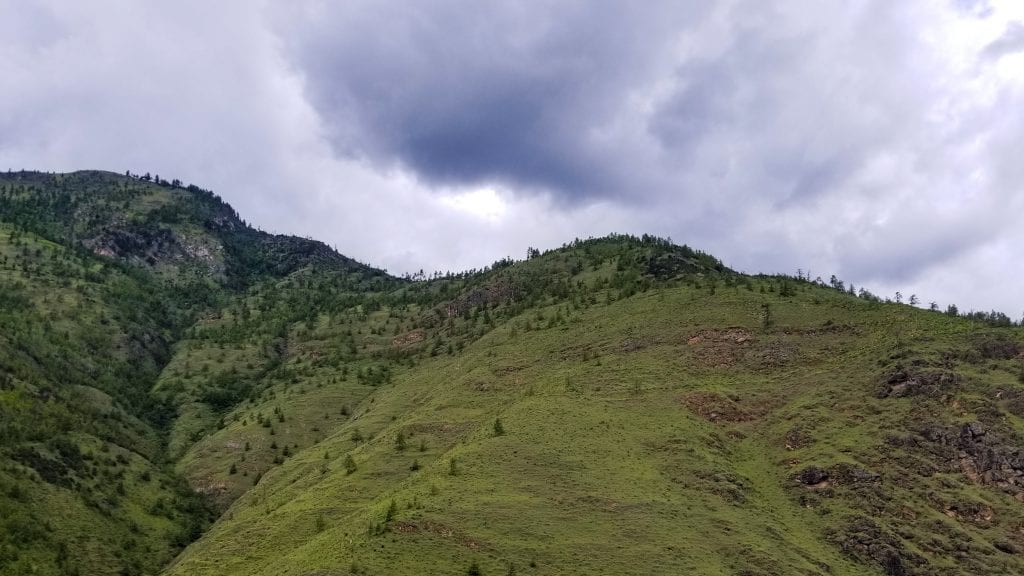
645, 436
76, 460
99, 275
651, 426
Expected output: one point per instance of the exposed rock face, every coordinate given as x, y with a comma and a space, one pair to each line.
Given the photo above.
717, 408
135, 245
996, 346
984, 456
152, 247
494, 293
918, 381
866, 541
672, 265
812, 475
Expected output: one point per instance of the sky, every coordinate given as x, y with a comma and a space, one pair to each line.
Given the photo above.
879, 141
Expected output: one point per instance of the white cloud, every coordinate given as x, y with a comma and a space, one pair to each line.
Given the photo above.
875, 140
484, 203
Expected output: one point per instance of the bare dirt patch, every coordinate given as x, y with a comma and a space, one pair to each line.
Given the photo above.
720, 348
772, 355
975, 513
409, 338
733, 335
825, 329
797, 437
717, 408
436, 529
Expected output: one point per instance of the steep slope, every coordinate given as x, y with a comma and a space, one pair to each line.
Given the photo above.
84, 488
626, 417
99, 276
617, 406
315, 328
183, 233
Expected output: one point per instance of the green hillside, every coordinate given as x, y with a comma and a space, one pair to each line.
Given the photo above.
667, 431
100, 275
616, 406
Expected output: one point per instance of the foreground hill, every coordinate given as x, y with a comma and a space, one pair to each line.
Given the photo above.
99, 276
687, 428
617, 406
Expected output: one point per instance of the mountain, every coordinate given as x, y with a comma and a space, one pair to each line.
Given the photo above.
181, 392
99, 277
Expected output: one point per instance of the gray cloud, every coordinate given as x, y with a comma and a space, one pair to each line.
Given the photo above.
1011, 42
516, 94
877, 140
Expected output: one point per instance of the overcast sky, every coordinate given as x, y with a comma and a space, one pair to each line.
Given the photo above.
880, 141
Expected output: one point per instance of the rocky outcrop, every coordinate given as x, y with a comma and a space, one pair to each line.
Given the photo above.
812, 475
839, 474
863, 539
918, 381
494, 293
983, 455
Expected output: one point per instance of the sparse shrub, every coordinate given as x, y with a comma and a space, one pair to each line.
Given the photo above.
499, 429
350, 464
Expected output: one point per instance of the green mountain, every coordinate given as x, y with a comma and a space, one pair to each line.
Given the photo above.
180, 392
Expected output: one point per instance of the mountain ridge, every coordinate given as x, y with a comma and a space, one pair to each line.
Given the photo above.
616, 405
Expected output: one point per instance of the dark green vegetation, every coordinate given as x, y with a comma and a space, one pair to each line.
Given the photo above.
100, 275
617, 406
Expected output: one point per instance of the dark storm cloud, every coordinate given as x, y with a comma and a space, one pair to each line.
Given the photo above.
514, 93
873, 139
635, 102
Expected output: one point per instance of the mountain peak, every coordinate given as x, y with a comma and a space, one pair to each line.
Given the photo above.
218, 400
